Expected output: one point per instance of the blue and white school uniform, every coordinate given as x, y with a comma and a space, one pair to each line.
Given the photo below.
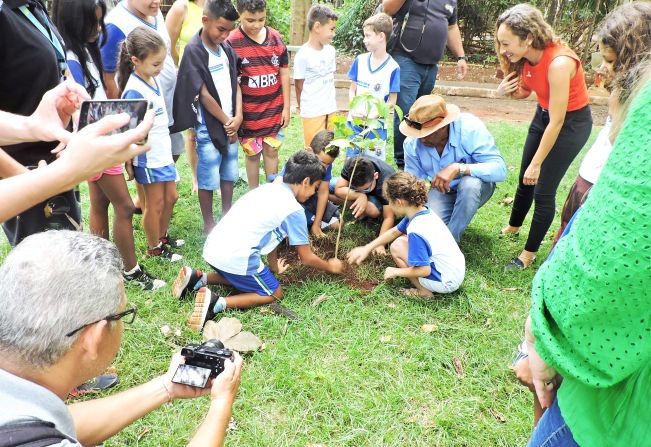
429, 242
253, 227
156, 165
380, 82
78, 74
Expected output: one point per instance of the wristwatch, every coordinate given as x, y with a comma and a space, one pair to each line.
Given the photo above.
464, 58
462, 169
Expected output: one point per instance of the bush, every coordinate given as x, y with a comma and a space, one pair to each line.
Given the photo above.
350, 37
279, 14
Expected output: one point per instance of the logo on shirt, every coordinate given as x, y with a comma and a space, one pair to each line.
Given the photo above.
274, 60
449, 8
216, 68
377, 87
245, 61
263, 81
363, 84
528, 74
159, 111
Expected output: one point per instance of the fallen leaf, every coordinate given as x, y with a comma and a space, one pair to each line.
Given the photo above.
243, 342
506, 201
285, 327
321, 298
224, 329
392, 305
488, 322
497, 415
143, 433
149, 302
385, 338
458, 367
509, 289
177, 332
429, 328
165, 330
266, 310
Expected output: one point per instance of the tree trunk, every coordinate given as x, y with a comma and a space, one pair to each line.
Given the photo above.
551, 13
593, 23
298, 29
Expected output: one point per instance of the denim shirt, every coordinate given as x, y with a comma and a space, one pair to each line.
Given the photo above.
469, 142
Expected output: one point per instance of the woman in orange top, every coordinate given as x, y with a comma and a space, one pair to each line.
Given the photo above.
536, 60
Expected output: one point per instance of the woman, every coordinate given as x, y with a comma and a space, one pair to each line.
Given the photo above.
536, 60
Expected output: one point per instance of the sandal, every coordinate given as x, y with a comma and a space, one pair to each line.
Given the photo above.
517, 264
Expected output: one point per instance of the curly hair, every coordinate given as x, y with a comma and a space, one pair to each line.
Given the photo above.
627, 31
405, 186
522, 20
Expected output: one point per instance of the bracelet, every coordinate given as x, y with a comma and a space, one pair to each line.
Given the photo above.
169, 395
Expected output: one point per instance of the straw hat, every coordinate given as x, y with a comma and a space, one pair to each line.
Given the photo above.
428, 114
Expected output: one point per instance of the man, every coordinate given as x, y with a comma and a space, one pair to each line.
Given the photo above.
70, 335
421, 31
457, 154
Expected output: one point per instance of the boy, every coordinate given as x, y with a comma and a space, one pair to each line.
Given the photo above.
314, 73
375, 72
319, 211
208, 72
264, 80
257, 223
364, 191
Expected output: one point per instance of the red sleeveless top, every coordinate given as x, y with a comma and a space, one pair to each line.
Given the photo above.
535, 78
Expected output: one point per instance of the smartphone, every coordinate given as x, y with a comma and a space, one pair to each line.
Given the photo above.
191, 375
92, 111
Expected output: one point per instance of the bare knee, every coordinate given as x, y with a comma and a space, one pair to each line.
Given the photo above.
398, 248
278, 293
372, 211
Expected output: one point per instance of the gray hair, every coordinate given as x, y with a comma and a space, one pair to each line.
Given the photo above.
51, 284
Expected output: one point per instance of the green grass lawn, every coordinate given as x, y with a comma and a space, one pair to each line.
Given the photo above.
356, 370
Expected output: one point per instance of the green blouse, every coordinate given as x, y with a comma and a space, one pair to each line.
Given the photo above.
591, 312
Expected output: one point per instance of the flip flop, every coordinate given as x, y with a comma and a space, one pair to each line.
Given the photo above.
279, 309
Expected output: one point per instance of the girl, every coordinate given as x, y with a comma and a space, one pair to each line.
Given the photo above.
80, 23
536, 60
142, 55
422, 246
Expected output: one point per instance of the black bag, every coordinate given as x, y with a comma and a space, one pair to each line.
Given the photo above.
33, 433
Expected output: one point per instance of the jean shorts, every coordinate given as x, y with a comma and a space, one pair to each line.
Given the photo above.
212, 165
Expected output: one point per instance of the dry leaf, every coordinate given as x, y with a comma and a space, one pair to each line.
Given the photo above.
143, 433
224, 329
321, 298
392, 305
509, 289
429, 328
266, 310
243, 342
385, 338
177, 332
165, 330
458, 367
285, 328
497, 415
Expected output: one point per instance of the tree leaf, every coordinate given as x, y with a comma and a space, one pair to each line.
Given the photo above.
226, 328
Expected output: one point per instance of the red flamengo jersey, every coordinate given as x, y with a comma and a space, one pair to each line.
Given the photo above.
259, 72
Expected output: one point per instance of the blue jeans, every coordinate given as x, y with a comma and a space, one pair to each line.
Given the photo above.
457, 208
416, 80
552, 431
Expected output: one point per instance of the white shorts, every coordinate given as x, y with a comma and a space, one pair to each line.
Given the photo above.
438, 286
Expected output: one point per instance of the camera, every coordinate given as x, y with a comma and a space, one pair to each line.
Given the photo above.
202, 362
92, 111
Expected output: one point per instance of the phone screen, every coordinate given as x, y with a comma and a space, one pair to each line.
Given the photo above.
92, 111
191, 375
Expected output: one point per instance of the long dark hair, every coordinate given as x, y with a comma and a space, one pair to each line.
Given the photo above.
77, 22
141, 42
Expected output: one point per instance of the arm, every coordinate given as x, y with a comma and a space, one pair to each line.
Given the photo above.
352, 90
408, 272
211, 105
298, 86
174, 22
560, 73
8, 166
234, 123
112, 91
485, 161
413, 164
342, 189
308, 257
388, 219
321, 203
392, 6
358, 254
393, 97
512, 87
456, 46
287, 91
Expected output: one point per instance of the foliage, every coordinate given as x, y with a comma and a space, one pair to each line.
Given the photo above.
350, 36
279, 17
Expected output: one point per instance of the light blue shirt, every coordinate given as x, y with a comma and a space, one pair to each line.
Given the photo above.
469, 142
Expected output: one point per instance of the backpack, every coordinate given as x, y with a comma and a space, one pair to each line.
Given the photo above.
32, 433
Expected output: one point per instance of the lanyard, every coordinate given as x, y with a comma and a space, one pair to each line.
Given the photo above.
49, 35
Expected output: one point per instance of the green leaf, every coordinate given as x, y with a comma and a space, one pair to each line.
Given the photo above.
398, 110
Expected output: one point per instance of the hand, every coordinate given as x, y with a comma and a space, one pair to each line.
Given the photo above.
531, 174
226, 384
380, 250
176, 390
128, 168
317, 232
285, 117
543, 376
522, 372
462, 69
195, 184
51, 117
357, 255
232, 125
509, 84
281, 266
232, 138
335, 265
359, 206
390, 273
443, 178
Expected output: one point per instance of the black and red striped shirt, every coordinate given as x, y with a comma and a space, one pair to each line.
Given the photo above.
259, 71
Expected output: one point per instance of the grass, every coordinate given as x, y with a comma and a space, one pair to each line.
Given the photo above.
357, 370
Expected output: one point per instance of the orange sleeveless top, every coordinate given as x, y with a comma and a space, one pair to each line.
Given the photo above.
535, 78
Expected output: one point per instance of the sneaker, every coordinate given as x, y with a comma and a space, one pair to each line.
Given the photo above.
143, 279
521, 354
203, 309
164, 252
172, 242
188, 280
99, 383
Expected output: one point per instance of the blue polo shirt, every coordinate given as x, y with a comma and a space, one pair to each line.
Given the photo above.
469, 142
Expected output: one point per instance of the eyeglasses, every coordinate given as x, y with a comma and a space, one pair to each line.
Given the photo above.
418, 126
367, 190
128, 315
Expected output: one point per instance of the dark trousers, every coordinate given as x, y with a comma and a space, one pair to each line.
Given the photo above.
574, 134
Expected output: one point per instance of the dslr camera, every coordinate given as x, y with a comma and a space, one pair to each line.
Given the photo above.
202, 362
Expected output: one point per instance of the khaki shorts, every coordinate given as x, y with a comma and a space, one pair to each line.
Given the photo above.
312, 126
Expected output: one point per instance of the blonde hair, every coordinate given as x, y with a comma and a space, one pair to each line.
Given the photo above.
639, 76
405, 186
524, 20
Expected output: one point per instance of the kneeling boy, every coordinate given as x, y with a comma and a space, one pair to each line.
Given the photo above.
256, 224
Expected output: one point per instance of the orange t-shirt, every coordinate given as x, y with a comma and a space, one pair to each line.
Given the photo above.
535, 78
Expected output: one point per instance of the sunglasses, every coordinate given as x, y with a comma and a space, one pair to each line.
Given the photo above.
418, 126
128, 315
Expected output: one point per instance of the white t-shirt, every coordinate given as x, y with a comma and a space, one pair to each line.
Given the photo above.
80, 78
431, 243
119, 23
317, 68
379, 82
596, 158
159, 136
254, 226
219, 67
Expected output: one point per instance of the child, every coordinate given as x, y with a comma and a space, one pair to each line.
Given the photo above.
365, 194
264, 80
421, 244
142, 55
257, 223
79, 23
208, 71
314, 73
319, 211
377, 73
